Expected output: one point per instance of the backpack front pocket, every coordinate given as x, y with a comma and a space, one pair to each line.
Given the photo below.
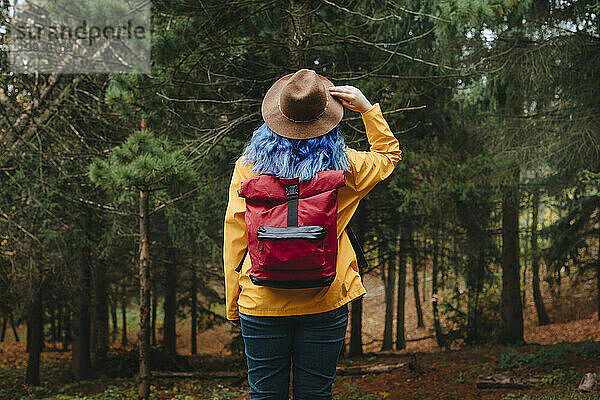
291, 247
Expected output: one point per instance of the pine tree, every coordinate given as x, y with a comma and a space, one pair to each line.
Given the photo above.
145, 164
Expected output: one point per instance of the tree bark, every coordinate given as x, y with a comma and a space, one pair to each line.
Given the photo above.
154, 306
80, 357
100, 324
356, 347
59, 325
512, 311
511, 305
194, 311
14, 328
199, 374
113, 316
170, 306
422, 246
415, 264
598, 276
35, 323
505, 381
440, 338
369, 369
401, 299
144, 336
388, 269
67, 330
124, 341
52, 325
4, 323
535, 265
356, 311
299, 33
28, 336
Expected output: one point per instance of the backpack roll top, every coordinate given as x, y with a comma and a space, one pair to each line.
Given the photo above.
292, 229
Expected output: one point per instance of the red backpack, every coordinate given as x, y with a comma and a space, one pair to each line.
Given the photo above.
292, 230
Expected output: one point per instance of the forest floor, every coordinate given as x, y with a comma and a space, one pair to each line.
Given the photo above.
444, 375
559, 353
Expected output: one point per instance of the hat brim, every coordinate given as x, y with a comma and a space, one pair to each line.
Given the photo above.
300, 130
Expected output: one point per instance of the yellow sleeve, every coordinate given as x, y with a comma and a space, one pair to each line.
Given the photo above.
370, 167
235, 241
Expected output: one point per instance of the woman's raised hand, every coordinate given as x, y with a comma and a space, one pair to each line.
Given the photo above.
351, 98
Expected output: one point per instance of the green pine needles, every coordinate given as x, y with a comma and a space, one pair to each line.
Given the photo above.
144, 161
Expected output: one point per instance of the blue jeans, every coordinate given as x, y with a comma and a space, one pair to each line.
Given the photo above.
310, 344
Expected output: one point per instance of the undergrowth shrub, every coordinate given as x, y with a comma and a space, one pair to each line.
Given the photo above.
552, 396
549, 356
353, 392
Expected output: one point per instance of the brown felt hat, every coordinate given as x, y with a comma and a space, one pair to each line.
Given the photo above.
300, 106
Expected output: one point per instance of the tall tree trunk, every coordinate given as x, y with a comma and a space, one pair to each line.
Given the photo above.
523, 284
420, 246
59, 325
475, 286
154, 305
53, 326
299, 32
512, 313
67, 331
14, 327
356, 347
415, 264
401, 299
35, 322
124, 341
100, 315
526, 260
169, 332
511, 306
356, 311
388, 269
4, 323
194, 311
144, 336
598, 276
470, 309
440, 338
80, 357
113, 317
28, 336
535, 265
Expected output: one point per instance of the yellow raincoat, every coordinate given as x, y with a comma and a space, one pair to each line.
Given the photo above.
367, 168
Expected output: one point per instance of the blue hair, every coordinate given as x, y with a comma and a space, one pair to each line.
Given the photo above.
269, 153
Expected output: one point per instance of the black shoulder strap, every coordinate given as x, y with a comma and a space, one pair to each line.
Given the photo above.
360, 254
239, 267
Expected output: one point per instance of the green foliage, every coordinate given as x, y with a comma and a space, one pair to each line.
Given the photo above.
123, 95
589, 349
477, 11
571, 234
513, 359
354, 392
111, 393
548, 357
562, 395
236, 345
144, 161
566, 378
